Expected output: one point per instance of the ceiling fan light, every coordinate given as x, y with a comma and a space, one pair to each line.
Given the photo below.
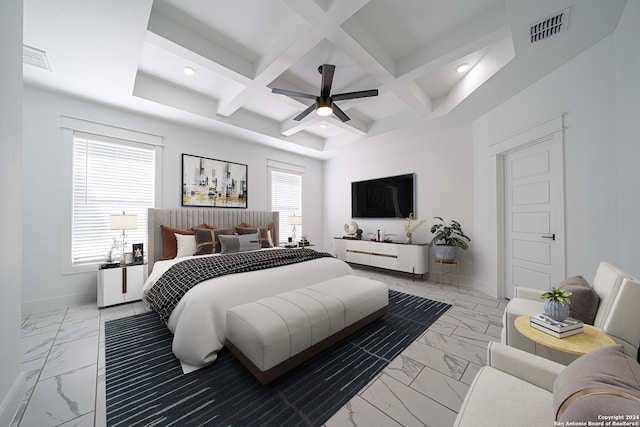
324, 111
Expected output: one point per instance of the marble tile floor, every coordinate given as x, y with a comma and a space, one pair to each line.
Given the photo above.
63, 358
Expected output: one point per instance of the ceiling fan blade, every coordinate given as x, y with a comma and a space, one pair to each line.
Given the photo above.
340, 114
327, 79
305, 112
352, 95
292, 93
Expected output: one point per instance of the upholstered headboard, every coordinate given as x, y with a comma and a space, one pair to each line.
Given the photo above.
188, 217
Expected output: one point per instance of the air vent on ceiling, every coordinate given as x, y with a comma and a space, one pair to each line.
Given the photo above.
35, 57
549, 26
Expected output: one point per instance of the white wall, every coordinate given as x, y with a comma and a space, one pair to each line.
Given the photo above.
627, 50
584, 89
45, 286
442, 162
11, 379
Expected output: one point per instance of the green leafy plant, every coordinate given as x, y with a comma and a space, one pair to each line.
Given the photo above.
449, 234
557, 294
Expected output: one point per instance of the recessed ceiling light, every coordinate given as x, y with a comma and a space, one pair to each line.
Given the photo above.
462, 68
323, 126
189, 71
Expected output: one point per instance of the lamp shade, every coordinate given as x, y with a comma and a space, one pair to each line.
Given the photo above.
123, 222
295, 220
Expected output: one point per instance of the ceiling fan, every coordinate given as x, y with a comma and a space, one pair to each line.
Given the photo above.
324, 104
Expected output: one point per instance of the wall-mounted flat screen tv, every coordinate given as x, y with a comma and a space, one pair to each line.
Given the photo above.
391, 197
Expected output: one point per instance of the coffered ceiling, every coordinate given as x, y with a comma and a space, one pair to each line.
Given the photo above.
132, 54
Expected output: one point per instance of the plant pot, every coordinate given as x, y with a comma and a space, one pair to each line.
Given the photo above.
446, 252
555, 310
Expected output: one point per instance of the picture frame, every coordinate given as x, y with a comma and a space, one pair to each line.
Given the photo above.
213, 183
128, 258
138, 253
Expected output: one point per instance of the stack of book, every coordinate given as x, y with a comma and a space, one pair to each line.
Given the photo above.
562, 329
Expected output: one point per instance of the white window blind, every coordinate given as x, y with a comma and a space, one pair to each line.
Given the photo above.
286, 198
109, 177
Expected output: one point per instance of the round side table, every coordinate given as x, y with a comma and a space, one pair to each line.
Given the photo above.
590, 339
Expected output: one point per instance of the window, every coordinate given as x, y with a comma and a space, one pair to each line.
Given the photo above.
286, 198
109, 176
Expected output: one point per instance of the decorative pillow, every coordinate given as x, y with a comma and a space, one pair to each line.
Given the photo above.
239, 243
266, 241
207, 241
186, 244
603, 382
584, 299
169, 243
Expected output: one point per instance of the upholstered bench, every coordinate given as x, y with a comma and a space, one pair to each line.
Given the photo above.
273, 335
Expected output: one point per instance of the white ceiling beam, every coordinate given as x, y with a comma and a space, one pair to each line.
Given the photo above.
226, 62
359, 45
499, 56
254, 125
290, 126
353, 126
472, 36
371, 58
195, 58
276, 61
290, 48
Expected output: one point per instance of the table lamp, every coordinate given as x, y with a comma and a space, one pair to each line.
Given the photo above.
294, 220
123, 222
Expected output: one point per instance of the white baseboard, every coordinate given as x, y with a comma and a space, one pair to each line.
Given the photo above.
52, 303
12, 400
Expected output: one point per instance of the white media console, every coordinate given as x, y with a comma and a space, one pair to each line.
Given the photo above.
409, 258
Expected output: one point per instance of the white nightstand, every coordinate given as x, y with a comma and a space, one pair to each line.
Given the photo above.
118, 285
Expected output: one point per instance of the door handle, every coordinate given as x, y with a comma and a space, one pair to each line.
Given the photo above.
552, 237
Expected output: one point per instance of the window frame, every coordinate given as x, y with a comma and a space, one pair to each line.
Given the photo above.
70, 126
274, 165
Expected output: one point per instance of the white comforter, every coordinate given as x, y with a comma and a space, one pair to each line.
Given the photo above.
198, 322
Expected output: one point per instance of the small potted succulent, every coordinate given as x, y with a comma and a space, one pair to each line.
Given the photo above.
448, 238
556, 304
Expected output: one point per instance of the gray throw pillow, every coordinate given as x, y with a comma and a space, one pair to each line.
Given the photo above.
207, 241
584, 299
239, 243
264, 233
609, 369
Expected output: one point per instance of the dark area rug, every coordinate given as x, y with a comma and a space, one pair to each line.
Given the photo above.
145, 384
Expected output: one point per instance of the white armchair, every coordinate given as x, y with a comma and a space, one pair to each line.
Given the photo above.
618, 315
515, 388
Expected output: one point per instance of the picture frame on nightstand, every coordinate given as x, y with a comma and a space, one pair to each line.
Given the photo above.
138, 253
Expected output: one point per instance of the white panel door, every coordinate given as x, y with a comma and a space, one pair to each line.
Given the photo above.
534, 216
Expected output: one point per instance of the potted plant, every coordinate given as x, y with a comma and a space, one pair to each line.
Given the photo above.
556, 304
448, 238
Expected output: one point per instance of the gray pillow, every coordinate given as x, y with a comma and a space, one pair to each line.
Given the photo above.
207, 241
584, 299
607, 368
240, 243
264, 234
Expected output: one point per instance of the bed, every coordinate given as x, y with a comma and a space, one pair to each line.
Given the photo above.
198, 320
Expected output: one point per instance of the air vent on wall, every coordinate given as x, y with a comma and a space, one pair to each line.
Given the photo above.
35, 57
549, 26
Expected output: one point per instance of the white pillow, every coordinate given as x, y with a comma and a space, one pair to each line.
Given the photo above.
186, 244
